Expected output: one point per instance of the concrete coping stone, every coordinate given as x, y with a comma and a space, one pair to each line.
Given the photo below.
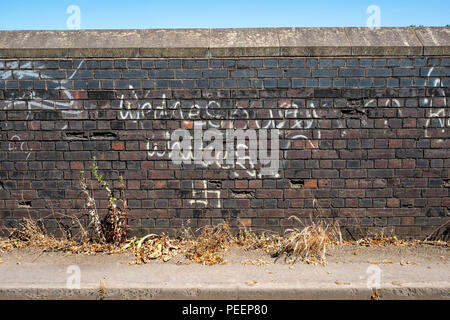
222, 43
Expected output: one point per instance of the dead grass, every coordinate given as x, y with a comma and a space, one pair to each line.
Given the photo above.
208, 245
310, 243
380, 239
269, 242
205, 249
31, 234
307, 243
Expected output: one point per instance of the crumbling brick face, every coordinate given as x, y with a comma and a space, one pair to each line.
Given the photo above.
363, 141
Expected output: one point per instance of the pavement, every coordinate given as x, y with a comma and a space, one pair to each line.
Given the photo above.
350, 273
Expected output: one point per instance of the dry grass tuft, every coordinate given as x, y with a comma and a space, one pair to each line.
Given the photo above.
206, 248
311, 242
269, 242
30, 234
381, 240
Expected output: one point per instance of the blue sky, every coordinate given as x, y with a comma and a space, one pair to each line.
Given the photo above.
142, 14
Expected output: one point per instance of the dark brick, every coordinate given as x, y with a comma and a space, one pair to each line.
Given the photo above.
51, 194
215, 73
137, 74
83, 74
47, 115
107, 74
189, 74
327, 93
327, 73
378, 72
351, 72
101, 95
244, 73
406, 72
298, 73
380, 173
270, 63
270, 73
106, 64
53, 74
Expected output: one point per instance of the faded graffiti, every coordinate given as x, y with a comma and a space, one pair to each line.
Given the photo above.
16, 144
287, 115
215, 117
49, 104
436, 118
207, 197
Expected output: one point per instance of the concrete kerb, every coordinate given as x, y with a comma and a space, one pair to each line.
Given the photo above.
240, 292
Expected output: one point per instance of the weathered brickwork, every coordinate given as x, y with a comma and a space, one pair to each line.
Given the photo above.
365, 139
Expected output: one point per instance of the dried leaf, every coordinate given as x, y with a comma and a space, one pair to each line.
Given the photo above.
251, 282
381, 262
404, 263
342, 282
257, 262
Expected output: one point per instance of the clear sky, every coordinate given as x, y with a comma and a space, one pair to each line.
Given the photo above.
142, 14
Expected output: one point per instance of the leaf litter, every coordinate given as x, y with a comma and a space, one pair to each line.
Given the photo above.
307, 243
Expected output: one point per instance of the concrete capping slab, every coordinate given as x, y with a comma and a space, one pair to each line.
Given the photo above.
208, 43
384, 41
244, 42
168, 43
314, 42
436, 41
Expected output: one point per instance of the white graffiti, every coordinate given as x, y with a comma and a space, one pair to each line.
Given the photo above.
207, 196
436, 118
50, 104
442, 120
136, 109
19, 145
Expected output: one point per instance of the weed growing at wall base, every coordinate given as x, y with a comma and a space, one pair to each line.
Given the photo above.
113, 228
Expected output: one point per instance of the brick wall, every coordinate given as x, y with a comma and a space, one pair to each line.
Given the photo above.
364, 140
